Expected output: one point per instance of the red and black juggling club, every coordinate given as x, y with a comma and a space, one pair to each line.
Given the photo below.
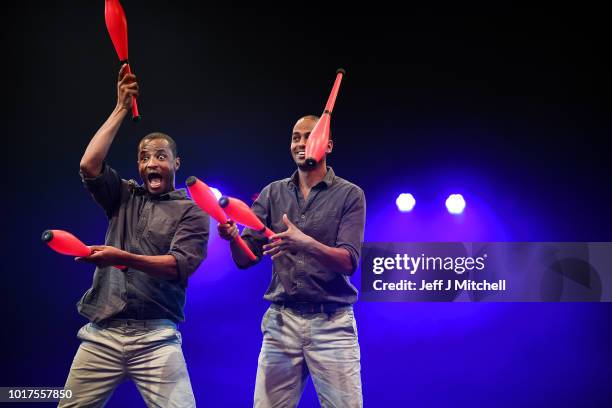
65, 243
319, 137
206, 200
242, 214
116, 23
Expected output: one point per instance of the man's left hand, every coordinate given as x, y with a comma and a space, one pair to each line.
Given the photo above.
103, 255
293, 239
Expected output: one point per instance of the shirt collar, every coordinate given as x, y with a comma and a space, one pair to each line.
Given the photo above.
294, 182
178, 194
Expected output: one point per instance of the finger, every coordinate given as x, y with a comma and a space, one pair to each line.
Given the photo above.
234, 231
125, 86
226, 228
280, 253
122, 72
132, 93
273, 251
84, 259
273, 244
97, 247
278, 236
127, 78
287, 222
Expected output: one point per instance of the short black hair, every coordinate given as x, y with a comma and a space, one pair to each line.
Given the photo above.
159, 135
313, 117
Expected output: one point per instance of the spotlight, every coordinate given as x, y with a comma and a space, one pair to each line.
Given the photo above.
405, 202
455, 204
216, 192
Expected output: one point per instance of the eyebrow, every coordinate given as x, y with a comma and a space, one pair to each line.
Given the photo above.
164, 150
299, 134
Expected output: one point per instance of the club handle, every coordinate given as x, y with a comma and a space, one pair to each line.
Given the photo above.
268, 232
135, 114
243, 245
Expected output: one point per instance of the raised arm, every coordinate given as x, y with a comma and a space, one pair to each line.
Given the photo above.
97, 149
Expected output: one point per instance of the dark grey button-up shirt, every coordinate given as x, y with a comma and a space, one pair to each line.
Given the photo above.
144, 224
334, 215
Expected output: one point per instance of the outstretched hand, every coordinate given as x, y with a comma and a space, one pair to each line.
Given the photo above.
293, 239
103, 256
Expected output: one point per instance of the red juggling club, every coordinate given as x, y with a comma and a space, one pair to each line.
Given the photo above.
65, 243
242, 214
206, 200
116, 23
317, 141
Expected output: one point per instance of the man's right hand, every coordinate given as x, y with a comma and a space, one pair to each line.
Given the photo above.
126, 88
228, 231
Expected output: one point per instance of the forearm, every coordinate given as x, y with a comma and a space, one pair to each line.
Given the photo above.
338, 259
159, 266
96, 151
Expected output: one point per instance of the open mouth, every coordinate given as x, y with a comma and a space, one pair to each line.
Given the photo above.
154, 179
301, 155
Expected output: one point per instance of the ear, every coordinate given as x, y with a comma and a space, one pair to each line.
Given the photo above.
177, 163
330, 146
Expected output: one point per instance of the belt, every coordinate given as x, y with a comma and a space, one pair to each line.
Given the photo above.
307, 307
136, 323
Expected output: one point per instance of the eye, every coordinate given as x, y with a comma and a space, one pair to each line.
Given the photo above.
144, 159
161, 157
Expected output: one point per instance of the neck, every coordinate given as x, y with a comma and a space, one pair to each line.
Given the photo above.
312, 177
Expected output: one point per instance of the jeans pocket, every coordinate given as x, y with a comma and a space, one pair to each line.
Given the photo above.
352, 323
83, 331
264, 320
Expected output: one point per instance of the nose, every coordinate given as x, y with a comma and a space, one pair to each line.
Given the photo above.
152, 163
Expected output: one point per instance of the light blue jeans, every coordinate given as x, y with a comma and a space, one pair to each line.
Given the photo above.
297, 345
145, 351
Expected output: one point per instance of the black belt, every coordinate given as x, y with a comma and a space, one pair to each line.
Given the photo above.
307, 307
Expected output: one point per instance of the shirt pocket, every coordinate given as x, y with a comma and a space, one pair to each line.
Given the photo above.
324, 228
159, 236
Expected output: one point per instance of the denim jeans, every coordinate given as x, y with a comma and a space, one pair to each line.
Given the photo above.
145, 351
297, 345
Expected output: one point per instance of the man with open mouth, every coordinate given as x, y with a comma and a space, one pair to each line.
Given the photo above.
309, 328
160, 236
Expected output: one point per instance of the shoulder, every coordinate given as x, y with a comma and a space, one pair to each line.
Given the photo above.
351, 189
282, 183
190, 212
274, 187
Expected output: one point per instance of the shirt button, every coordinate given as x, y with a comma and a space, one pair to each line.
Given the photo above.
303, 216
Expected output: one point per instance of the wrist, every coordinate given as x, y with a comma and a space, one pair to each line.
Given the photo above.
312, 245
125, 258
120, 110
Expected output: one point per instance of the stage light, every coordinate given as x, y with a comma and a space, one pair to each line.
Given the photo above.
216, 192
405, 202
455, 204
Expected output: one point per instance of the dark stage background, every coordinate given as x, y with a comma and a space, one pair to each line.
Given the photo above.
510, 107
